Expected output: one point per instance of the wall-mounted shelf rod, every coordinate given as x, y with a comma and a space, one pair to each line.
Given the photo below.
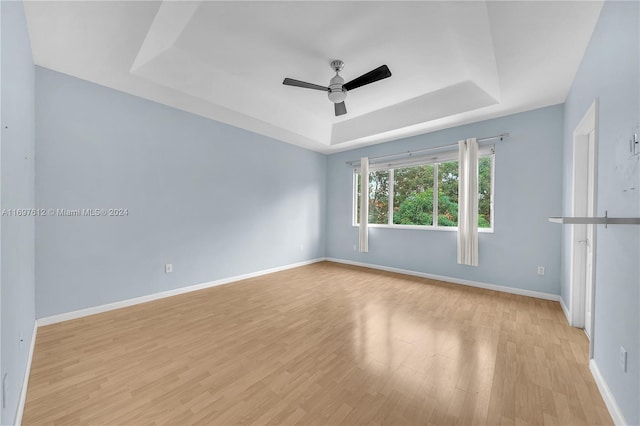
501, 136
605, 220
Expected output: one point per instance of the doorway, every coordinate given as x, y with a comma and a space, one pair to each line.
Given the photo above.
583, 236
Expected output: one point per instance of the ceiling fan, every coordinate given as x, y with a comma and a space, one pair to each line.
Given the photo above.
338, 88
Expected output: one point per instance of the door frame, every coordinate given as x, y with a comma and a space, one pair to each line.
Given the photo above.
588, 124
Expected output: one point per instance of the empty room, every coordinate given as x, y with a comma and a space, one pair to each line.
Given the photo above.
320, 212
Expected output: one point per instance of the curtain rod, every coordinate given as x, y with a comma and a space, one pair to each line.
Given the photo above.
501, 136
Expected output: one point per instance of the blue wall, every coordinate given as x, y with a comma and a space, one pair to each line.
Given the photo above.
217, 201
17, 176
610, 72
528, 176
214, 200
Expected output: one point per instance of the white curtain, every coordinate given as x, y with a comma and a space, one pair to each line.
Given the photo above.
364, 204
468, 202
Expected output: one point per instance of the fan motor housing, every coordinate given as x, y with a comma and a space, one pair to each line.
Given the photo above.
336, 93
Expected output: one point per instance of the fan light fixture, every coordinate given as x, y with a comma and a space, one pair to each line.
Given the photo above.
337, 89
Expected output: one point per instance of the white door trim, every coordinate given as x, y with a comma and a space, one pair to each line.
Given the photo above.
588, 124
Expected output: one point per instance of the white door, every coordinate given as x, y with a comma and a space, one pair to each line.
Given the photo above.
589, 276
584, 237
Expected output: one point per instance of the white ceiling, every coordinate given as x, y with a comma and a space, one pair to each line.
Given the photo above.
452, 62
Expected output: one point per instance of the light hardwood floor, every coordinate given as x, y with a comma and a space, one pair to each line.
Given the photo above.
321, 344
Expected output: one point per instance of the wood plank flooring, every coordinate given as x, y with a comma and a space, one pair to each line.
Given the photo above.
321, 344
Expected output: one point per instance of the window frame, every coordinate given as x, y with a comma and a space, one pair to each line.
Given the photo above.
435, 162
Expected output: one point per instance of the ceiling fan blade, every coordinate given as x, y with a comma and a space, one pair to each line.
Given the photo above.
341, 109
298, 83
372, 76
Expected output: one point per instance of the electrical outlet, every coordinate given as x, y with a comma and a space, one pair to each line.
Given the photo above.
623, 359
301, 248
168, 268
540, 270
355, 248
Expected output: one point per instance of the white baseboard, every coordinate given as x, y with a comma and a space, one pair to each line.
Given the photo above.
53, 319
609, 400
27, 373
565, 310
504, 289
161, 295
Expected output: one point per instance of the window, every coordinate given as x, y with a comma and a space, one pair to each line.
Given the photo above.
424, 192
378, 197
413, 195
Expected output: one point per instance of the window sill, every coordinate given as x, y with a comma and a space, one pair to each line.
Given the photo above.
424, 228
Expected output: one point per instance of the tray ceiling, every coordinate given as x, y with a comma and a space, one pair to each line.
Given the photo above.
452, 62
